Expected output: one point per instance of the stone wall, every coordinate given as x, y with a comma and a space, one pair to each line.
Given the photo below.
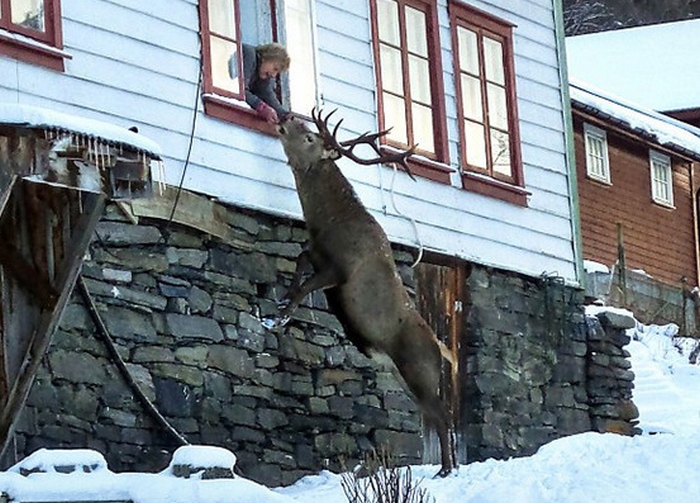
610, 378
186, 318
526, 367
185, 309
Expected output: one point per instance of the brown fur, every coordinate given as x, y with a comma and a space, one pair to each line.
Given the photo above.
349, 257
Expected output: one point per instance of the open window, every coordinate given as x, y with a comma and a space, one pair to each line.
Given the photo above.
227, 25
409, 79
30, 31
487, 104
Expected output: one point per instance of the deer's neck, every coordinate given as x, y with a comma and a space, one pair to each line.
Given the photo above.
327, 197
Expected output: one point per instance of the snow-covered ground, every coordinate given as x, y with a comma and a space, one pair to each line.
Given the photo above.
657, 467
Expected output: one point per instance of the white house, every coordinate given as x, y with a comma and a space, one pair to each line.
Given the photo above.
429, 69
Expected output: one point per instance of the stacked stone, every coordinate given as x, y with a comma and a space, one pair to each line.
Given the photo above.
526, 370
185, 315
610, 378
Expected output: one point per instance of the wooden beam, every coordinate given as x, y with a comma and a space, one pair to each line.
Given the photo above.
67, 271
31, 278
192, 210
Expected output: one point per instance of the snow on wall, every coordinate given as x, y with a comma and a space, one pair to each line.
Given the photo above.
137, 63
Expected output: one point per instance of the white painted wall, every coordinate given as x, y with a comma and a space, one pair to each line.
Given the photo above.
137, 63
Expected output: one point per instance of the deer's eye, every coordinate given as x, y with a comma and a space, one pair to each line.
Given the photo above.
309, 138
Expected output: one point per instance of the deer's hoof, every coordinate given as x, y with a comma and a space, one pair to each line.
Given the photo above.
276, 322
444, 472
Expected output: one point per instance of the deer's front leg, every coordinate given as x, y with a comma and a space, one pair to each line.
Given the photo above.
300, 288
303, 268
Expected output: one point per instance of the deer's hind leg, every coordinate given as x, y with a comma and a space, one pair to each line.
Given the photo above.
418, 360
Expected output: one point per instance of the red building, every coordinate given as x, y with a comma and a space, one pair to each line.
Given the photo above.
637, 174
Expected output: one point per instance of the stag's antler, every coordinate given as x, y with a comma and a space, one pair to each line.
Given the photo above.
345, 148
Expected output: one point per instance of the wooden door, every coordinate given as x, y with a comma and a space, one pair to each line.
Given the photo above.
440, 298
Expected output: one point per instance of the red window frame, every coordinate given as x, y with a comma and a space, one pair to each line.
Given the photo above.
431, 165
222, 103
486, 180
48, 51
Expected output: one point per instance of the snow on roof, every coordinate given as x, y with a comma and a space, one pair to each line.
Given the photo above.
651, 65
660, 128
36, 117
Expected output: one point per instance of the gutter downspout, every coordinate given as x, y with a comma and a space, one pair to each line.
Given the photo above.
694, 202
570, 154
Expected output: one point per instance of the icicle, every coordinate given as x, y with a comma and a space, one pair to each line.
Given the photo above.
161, 177
101, 152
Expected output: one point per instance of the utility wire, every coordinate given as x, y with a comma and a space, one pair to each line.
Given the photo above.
104, 335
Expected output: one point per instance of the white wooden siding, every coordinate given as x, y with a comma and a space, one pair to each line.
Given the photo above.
137, 63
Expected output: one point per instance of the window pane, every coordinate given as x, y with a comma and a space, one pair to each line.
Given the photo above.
388, 21
395, 118
419, 72
661, 179
222, 18
595, 156
493, 61
416, 33
471, 98
223, 54
423, 127
468, 51
28, 13
299, 42
498, 109
475, 144
500, 152
392, 76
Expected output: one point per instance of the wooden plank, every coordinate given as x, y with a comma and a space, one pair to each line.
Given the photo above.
67, 271
5, 194
192, 210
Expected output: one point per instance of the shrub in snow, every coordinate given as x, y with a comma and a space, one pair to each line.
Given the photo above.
383, 483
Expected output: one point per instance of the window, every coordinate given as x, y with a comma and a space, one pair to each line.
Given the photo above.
487, 103
30, 30
661, 178
409, 78
596, 143
227, 25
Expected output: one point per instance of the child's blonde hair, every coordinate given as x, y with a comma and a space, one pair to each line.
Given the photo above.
274, 52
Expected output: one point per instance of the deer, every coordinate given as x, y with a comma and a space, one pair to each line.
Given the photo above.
349, 257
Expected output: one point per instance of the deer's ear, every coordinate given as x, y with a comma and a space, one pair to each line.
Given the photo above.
331, 154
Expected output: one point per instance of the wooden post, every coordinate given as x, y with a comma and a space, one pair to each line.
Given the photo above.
621, 266
29, 320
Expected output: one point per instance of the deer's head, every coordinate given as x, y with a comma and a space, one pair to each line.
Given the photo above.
305, 148
302, 146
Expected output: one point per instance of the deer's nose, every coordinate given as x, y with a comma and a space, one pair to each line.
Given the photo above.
281, 129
